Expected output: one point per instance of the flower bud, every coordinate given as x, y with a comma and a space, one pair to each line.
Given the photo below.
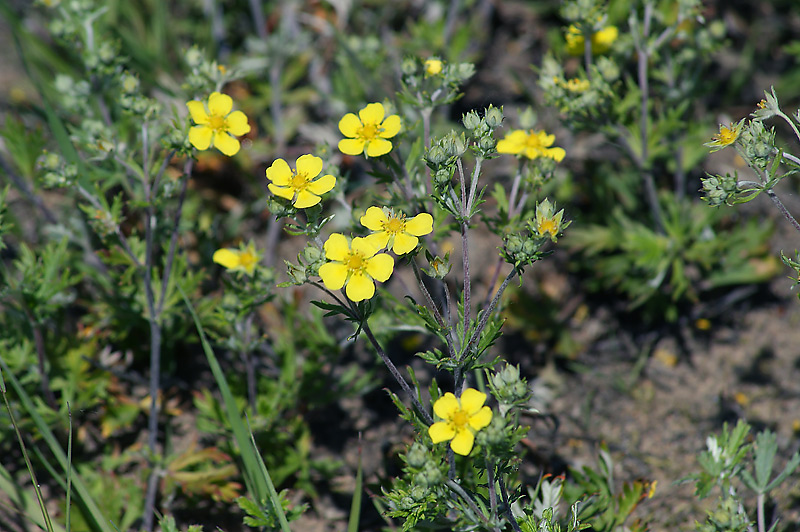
436, 156
472, 121
417, 456
494, 116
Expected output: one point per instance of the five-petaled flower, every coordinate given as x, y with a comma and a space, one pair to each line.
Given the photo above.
354, 264
462, 418
392, 229
601, 40
532, 144
301, 186
243, 259
727, 135
216, 125
368, 131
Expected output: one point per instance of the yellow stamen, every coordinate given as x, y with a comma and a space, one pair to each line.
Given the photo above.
216, 122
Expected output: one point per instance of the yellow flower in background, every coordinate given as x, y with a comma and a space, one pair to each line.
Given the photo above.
433, 66
601, 40
368, 131
394, 230
577, 85
532, 144
354, 265
727, 135
461, 419
300, 186
216, 125
243, 259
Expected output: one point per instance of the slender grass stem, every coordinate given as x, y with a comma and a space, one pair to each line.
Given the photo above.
41, 357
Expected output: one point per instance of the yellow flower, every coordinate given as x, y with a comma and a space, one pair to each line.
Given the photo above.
462, 419
300, 187
217, 126
601, 40
243, 259
354, 264
433, 67
368, 131
532, 144
393, 230
577, 85
727, 135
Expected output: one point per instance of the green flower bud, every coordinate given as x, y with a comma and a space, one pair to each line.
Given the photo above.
312, 254
472, 121
494, 116
529, 248
487, 143
129, 83
435, 156
417, 456
513, 244
418, 492
454, 145
527, 118
408, 67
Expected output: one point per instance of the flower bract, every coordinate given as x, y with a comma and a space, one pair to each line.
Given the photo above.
300, 186
354, 265
216, 125
394, 230
532, 144
368, 131
461, 419
243, 259
727, 135
601, 40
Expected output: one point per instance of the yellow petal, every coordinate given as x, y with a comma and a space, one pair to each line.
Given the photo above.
363, 246
545, 140
333, 274
556, 153
374, 219
336, 247
198, 112
237, 123
378, 147
282, 192
309, 165
200, 137
349, 125
228, 258
440, 432
380, 267
419, 225
306, 199
463, 442
391, 126
219, 104
226, 144
481, 419
472, 400
280, 173
379, 240
351, 146
359, 287
446, 406
403, 243
322, 185
372, 114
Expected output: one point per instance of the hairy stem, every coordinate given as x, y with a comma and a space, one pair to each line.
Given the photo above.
453, 485
509, 513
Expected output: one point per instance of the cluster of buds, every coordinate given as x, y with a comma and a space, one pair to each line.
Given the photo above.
433, 81
582, 100
481, 130
425, 474
441, 158
103, 60
508, 387
757, 144
73, 95
133, 101
55, 170
308, 263
719, 190
204, 76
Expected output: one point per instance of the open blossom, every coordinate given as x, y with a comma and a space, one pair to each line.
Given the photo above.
216, 125
368, 131
243, 259
532, 144
354, 265
601, 40
461, 419
433, 66
394, 230
727, 135
300, 186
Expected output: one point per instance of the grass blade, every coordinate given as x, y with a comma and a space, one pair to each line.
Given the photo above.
355, 506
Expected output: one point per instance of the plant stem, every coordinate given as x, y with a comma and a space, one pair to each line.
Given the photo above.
761, 526
486, 313
781, 207
491, 485
509, 513
435, 309
453, 485
41, 356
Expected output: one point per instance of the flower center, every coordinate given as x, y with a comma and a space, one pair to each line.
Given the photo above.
246, 259
299, 181
533, 141
216, 122
459, 419
548, 226
726, 135
395, 225
355, 262
368, 131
